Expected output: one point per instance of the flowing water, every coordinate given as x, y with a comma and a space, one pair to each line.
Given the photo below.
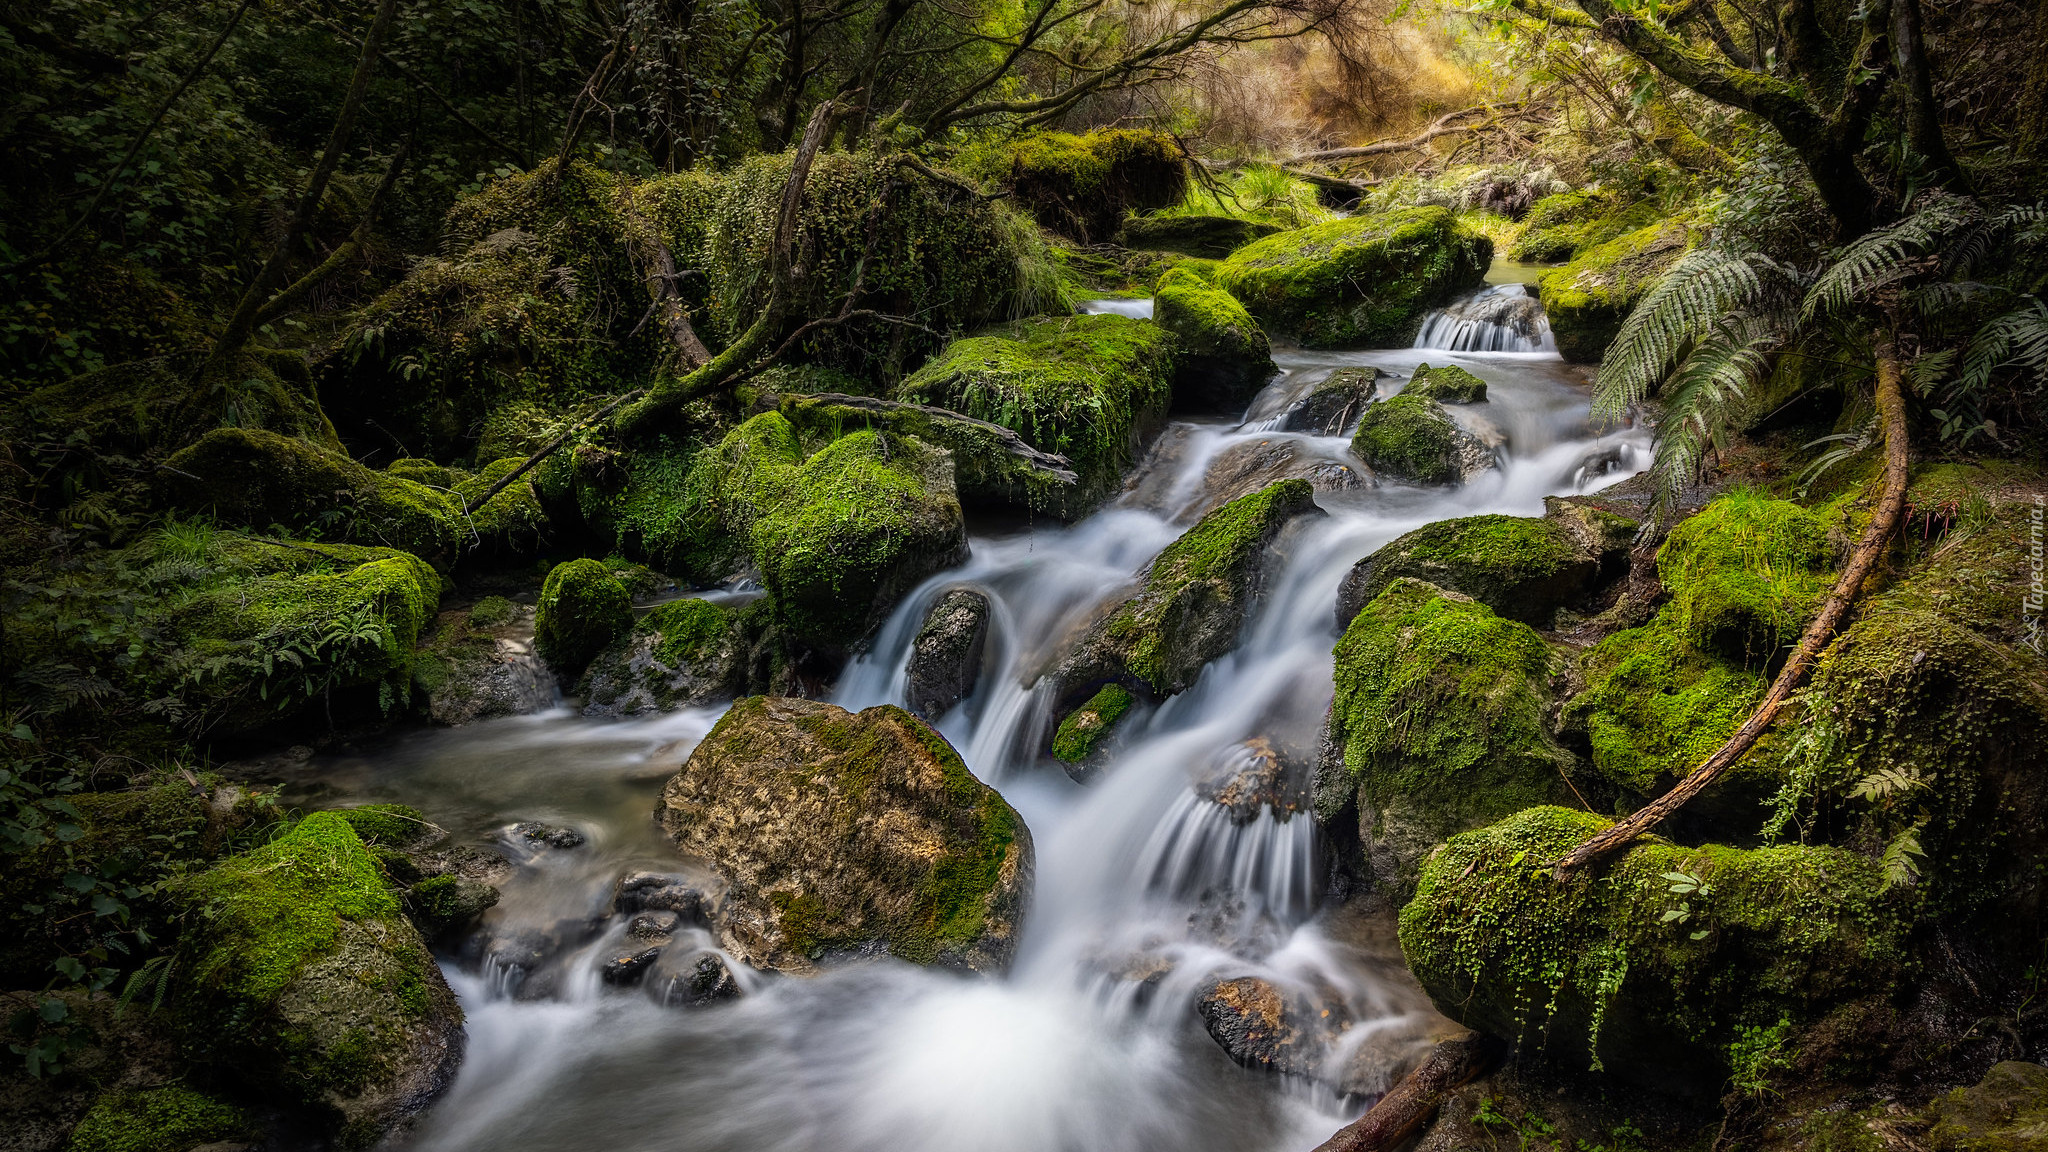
1146, 890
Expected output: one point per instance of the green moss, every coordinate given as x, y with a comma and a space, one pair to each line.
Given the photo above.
1359, 281
1086, 726
1223, 357
1410, 437
1083, 185
1524, 568
1746, 572
1560, 227
423, 472
1449, 383
2007, 1111
582, 610
1590, 968
1210, 237
492, 611
393, 825
688, 628
1440, 715
168, 1119
439, 903
986, 472
259, 479
1655, 706
1092, 388
512, 523
1587, 299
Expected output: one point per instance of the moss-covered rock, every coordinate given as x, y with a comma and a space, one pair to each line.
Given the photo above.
680, 654
1438, 726
1363, 281
992, 466
480, 662
1449, 384
2007, 1111
1083, 185
308, 980
1193, 600
259, 479
511, 524
582, 610
839, 534
1335, 403
1222, 356
1095, 389
1560, 227
1213, 237
1082, 731
1655, 706
843, 834
1524, 568
1588, 298
1670, 966
172, 1118
1411, 437
1747, 571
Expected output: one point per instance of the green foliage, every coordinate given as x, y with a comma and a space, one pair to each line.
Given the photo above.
1588, 299
1521, 567
1360, 281
172, 1118
1560, 227
1082, 186
1261, 195
1655, 705
582, 610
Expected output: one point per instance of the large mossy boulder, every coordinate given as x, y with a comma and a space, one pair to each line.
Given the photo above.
843, 835
1747, 572
1562, 226
1525, 568
258, 479
1094, 389
583, 609
1410, 437
1587, 299
1363, 281
1192, 601
1439, 725
839, 533
1210, 237
993, 467
1082, 186
2007, 1111
479, 663
1222, 355
1664, 966
306, 978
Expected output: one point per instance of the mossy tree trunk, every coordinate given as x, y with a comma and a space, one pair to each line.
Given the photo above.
1884, 522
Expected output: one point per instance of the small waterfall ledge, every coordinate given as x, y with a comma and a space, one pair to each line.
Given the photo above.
1498, 318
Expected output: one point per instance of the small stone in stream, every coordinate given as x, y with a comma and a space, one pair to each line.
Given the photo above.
540, 835
693, 980
1333, 405
652, 925
663, 891
627, 966
1251, 777
945, 659
1259, 1025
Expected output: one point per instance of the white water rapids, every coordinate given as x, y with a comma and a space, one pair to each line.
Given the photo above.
1144, 890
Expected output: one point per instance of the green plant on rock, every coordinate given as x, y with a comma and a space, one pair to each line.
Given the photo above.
171, 1118
1087, 726
582, 610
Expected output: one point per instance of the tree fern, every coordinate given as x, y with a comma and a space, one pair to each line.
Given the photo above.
2018, 338
1709, 394
1704, 287
1890, 255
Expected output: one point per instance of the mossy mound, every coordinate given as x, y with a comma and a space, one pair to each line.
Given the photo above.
1094, 389
1410, 437
1084, 729
1210, 237
839, 534
1194, 599
681, 654
1223, 357
1747, 571
1587, 299
1655, 706
1438, 726
582, 610
260, 479
512, 523
1524, 568
1667, 966
172, 1118
1562, 226
843, 834
306, 978
1449, 384
2007, 1111
1364, 281
1082, 186
988, 469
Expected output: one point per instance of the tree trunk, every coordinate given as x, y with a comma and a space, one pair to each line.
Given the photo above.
1414, 1101
1923, 116
1884, 522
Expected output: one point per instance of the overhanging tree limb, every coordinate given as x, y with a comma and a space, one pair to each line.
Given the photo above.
1884, 522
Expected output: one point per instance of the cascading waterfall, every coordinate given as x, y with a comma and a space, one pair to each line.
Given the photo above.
1190, 858
1497, 318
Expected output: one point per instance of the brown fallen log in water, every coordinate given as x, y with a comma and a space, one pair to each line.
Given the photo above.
1414, 1101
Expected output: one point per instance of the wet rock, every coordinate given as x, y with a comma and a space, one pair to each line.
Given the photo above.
1213, 237
1079, 741
1587, 299
535, 835
526, 957
679, 655
945, 658
480, 662
2006, 1112
627, 965
683, 978
1251, 777
1194, 600
1334, 404
1411, 437
446, 905
653, 925
1448, 384
1222, 357
1262, 1026
1360, 281
841, 833
684, 896
1245, 468
1524, 568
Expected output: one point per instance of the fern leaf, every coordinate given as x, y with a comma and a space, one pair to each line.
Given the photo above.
2018, 338
1708, 394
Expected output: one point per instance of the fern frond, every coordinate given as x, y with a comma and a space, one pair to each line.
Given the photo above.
1707, 396
2018, 338
1705, 286
1887, 255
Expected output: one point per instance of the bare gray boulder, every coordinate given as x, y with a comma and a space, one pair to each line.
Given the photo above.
945, 658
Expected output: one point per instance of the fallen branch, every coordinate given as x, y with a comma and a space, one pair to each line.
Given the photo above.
653, 253
1051, 464
1414, 1101
1891, 502
289, 298
1445, 125
469, 507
